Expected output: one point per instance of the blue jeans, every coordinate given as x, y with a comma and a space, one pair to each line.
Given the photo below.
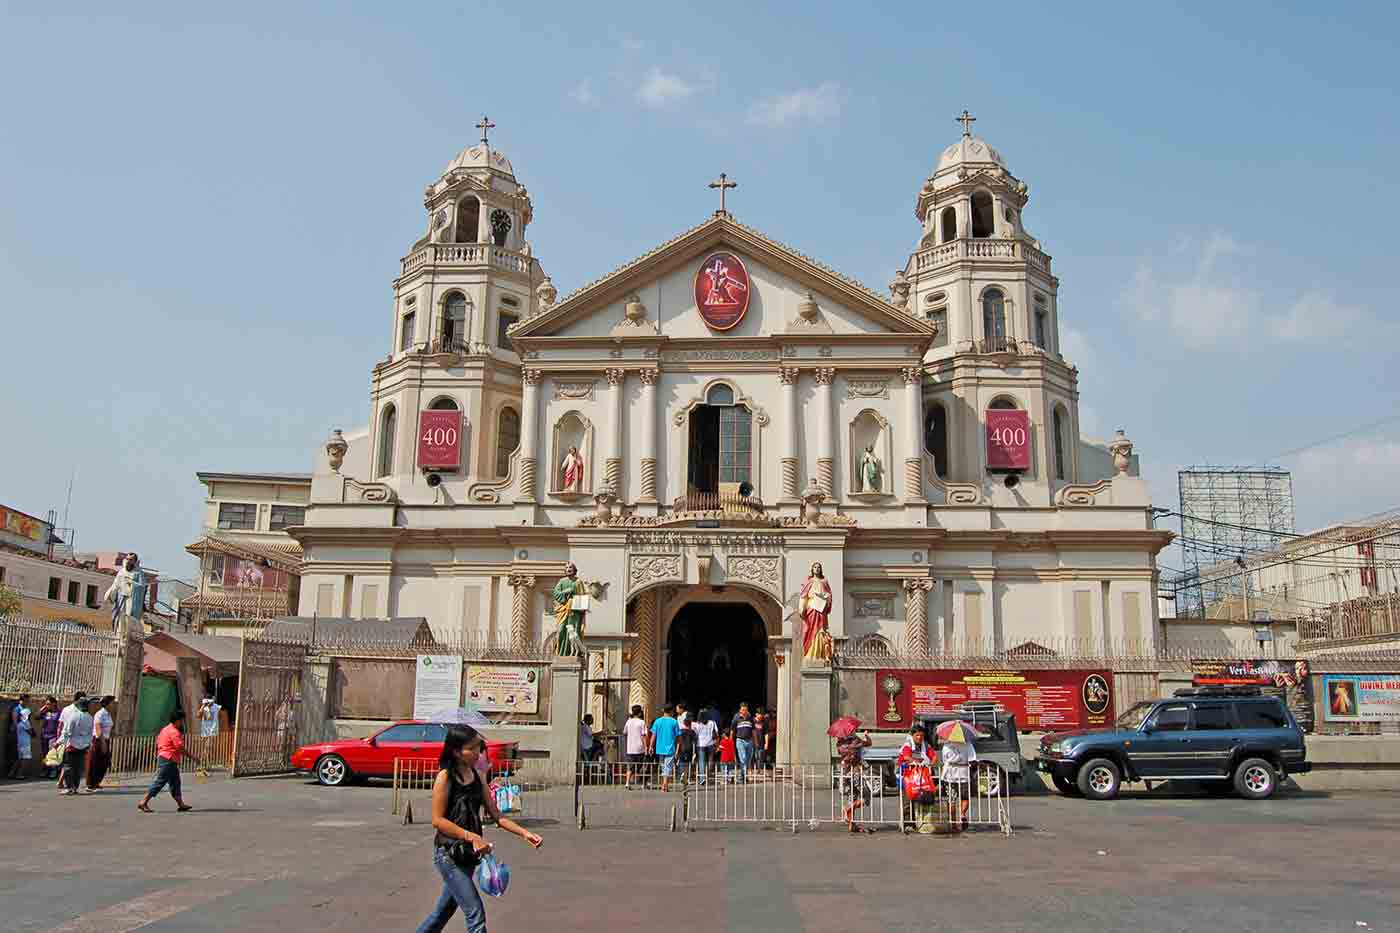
745, 749
167, 772
702, 761
458, 890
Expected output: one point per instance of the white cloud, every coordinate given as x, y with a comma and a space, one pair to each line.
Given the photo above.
1209, 306
661, 89
583, 94
1347, 479
809, 105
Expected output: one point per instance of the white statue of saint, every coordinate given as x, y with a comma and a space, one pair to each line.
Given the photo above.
573, 471
869, 470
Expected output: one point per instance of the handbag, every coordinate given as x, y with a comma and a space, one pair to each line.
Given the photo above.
918, 782
462, 855
54, 758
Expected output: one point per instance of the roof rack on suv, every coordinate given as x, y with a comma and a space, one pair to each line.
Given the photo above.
1218, 691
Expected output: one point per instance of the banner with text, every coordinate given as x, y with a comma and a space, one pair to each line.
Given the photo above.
1361, 697
494, 689
437, 686
1289, 680
1008, 439
1050, 700
440, 439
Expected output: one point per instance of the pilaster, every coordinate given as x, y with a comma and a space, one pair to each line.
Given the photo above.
826, 449
612, 464
521, 608
642, 691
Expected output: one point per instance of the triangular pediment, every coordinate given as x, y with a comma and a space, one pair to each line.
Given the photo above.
781, 286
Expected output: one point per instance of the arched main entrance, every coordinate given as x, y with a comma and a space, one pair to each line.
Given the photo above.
717, 652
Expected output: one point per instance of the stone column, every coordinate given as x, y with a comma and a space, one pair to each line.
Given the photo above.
650, 377
914, 449
792, 464
529, 436
916, 615
826, 450
612, 464
521, 607
643, 686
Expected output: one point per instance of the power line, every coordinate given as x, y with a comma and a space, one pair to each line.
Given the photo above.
1336, 437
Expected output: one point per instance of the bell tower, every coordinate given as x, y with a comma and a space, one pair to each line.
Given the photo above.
461, 288
986, 284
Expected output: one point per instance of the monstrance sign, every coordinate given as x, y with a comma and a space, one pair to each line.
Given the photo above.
722, 290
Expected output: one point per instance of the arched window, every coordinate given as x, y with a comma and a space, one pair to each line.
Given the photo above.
936, 437
983, 219
1058, 420
468, 219
1004, 403
388, 429
994, 319
454, 322
949, 221
719, 394
507, 439
443, 404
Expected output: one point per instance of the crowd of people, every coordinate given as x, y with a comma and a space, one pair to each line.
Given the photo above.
73, 742
699, 747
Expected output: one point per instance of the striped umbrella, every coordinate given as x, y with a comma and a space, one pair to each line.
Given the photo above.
955, 730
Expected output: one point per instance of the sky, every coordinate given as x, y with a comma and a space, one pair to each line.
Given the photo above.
202, 211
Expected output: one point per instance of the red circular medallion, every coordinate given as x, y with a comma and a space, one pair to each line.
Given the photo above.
722, 290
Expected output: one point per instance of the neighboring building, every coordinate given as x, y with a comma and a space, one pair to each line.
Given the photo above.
249, 565
697, 427
1340, 586
53, 589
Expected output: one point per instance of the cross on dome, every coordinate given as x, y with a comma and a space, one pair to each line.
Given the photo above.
966, 119
485, 125
722, 183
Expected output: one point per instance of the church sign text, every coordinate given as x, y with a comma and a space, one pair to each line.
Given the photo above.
440, 439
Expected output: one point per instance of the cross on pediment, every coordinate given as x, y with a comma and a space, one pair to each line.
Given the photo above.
723, 184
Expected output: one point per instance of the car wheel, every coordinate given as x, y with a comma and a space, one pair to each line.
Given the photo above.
1099, 779
332, 771
992, 781
1256, 779
1065, 786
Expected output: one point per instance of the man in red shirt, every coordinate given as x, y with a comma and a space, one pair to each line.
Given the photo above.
170, 749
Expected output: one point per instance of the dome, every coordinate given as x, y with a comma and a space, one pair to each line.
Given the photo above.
969, 149
477, 157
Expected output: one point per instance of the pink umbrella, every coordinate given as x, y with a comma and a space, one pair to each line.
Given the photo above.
843, 728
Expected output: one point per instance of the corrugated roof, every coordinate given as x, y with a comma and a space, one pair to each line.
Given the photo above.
223, 649
402, 632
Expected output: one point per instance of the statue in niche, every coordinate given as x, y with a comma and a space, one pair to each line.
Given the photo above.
573, 471
870, 469
815, 607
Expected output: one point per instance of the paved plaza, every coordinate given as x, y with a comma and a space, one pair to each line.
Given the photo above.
282, 854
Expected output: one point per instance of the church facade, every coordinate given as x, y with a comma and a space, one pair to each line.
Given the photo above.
696, 429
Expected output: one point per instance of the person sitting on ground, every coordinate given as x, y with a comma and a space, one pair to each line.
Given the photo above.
665, 732
170, 751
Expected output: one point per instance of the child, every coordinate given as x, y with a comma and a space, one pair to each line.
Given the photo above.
727, 756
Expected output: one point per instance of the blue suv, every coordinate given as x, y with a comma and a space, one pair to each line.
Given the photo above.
1226, 737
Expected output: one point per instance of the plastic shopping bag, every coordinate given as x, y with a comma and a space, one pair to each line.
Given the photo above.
492, 876
507, 797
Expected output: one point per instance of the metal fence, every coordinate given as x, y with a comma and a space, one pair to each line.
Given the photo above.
136, 754
601, 795
41, 659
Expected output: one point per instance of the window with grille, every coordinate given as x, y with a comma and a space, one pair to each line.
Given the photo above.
284, 516
388, 426
216, 569
238, 516
406, 331
735, 444
454, 322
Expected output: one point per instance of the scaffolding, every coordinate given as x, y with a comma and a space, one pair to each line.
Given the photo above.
1228, 513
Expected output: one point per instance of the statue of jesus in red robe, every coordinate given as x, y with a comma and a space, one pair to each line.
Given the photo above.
815, 607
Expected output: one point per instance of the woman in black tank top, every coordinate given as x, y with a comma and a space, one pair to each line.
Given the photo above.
458, 796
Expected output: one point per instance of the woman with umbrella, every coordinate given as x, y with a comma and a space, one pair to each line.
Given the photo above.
956, 753
850, 748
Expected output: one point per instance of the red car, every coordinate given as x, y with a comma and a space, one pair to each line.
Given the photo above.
342, 760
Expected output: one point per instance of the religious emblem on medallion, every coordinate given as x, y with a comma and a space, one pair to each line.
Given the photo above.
722, 290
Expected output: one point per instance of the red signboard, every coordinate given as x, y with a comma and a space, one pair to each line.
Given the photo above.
440, 440
1008, 439
722, 290
1048, 700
